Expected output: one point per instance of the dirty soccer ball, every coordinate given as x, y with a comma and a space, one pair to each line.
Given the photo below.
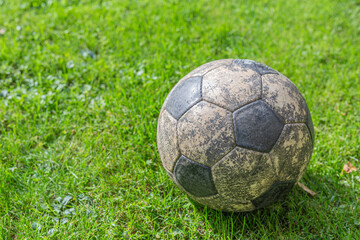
235, 135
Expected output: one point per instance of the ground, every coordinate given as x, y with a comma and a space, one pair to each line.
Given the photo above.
81, 87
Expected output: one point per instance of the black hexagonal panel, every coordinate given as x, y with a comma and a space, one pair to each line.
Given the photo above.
257, 126
276, 192
194, 177
184, 96
256, 66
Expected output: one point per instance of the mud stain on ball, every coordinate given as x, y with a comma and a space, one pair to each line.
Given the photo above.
205, 133
260, 68
243, 174
284, 97
231, 86
224, 204
167, 140
292, 152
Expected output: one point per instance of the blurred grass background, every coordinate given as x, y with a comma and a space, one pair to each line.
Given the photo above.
81, 86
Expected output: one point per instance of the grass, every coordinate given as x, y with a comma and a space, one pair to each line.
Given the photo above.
81, 86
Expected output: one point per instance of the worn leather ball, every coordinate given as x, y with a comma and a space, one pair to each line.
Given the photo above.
235, 135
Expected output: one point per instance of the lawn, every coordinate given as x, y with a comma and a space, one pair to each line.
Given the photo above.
81, 87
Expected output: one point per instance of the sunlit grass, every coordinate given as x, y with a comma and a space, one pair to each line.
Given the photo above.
81, 86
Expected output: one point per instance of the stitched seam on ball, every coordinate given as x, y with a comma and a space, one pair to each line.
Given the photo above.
177, 143
295, 122
179, 185
201, 84
233, 131
282, 129
200, 100
214, 69
285, 122
202, 77
282, 133
269, 73
254, 100
178, 148
301, 123
221, 158
205, 100
261, 86
277, 140
307, 127
311, 135
270, 153
275, 112
277, 175
201, 91
202, 165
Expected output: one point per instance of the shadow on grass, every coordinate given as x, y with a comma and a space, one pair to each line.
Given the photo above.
298, 214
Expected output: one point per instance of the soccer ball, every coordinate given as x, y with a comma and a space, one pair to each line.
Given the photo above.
235, 135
